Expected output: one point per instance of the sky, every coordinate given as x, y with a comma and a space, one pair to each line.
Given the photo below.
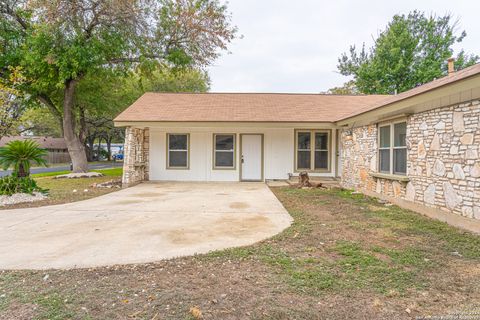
293, 46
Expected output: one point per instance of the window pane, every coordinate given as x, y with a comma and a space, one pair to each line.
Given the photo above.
304, 140
400, 161
385, 137
384, 161
224, 142
321, 141
223, 159
177, 159
321, 159
178, 141
400, 134
303, 160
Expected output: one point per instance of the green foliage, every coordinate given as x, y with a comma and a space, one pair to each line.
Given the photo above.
347, 88
411, 51
38, 121
204, 27
19, 154
105, 93
56, 41
176, 80
66, 43
10, 185
11, 102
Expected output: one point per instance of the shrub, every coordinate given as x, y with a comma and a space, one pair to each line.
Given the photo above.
19, 154
12, 184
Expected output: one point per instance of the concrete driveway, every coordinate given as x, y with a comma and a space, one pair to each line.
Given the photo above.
145, 223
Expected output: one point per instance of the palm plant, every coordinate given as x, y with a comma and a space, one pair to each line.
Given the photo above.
20, 154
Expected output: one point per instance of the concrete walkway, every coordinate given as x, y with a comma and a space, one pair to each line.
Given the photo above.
145, 223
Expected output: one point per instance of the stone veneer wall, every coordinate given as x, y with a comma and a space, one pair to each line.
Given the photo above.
443, 161
136, 156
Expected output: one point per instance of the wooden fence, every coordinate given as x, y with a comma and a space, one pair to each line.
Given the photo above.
57, 157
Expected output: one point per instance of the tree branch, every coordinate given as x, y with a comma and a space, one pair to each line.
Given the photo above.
133, 59
46, 101
9, 11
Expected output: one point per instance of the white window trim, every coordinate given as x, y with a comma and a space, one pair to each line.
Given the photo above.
233, 151
187, 167
392, 147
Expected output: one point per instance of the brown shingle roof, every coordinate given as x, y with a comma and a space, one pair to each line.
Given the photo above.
44, 142
269, 107
244, 107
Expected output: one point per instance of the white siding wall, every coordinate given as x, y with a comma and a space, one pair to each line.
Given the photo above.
278, 154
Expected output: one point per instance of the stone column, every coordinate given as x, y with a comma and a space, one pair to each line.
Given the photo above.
135, 156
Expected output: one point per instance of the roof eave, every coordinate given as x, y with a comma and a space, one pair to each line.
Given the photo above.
245, 124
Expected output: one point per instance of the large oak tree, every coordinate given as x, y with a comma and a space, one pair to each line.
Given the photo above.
60, 43
104, 95
412, 50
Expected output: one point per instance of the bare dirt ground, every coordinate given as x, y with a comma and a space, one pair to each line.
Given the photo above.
345, 257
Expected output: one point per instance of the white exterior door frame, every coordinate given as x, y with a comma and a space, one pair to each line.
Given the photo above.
250, 157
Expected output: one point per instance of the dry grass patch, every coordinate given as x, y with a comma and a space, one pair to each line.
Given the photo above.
345, 257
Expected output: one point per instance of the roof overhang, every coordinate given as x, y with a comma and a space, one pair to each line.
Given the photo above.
217, 124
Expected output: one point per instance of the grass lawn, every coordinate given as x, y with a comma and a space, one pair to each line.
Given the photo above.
114, 172
61, 190
345, 257
67, 164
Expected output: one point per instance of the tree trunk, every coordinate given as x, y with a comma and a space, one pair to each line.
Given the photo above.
22, 173
304, 180
76, 149
83, 132
90, 143
109, 148
99, 148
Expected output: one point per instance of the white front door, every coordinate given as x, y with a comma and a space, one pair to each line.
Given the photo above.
251, 157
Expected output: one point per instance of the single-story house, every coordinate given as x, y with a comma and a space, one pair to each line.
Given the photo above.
420, 146
57, 151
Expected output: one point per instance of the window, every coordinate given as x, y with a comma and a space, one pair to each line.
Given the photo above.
392, 149
384, 150
321, 150
312, 150
177, 151
304, 151
224, 151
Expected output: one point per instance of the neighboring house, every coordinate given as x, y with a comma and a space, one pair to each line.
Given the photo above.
420, 146
56, 147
